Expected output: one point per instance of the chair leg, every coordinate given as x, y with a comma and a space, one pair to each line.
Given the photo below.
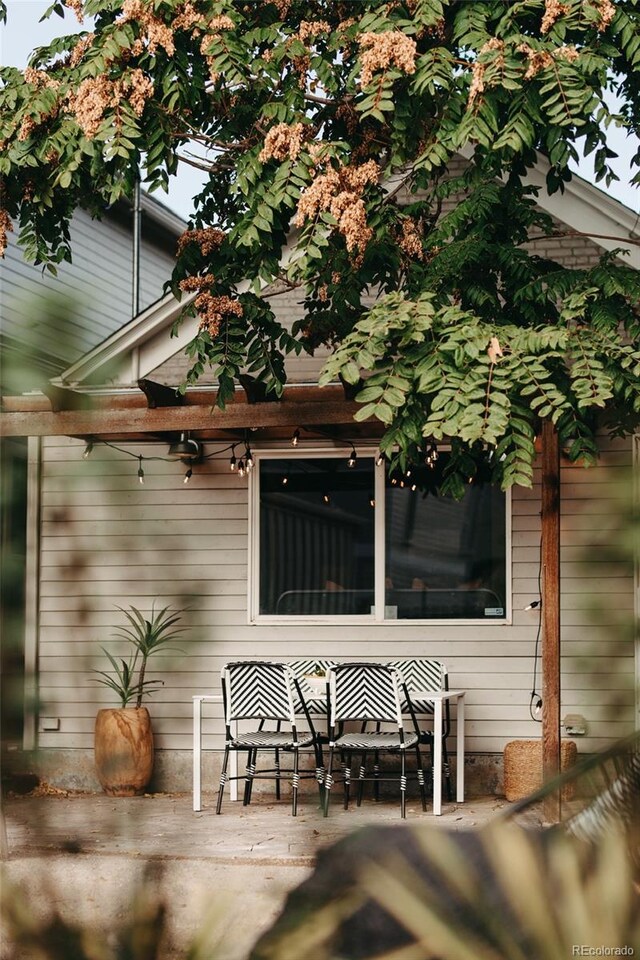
446, 770
363, 772
420, 775
328, 781
277, 765
223, 779
403, 784
347, 781
250, 770
295, 781
320, 769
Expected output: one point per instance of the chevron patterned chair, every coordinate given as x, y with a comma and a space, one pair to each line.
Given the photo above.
265, 692
420, 673
364, 693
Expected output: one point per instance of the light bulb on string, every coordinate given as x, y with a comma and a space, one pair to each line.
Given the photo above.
233, 463
432, 455
87, 450
188, 475
326, 498
241, 470
295, 439
380, 460
248, 459
353, 456
140, 471
535, 705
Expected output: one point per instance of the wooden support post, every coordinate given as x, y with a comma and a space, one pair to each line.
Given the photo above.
551, 614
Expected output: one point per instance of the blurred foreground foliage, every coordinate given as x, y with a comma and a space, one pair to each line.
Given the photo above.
399, 893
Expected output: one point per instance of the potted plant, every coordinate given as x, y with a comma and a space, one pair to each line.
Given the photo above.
123, 736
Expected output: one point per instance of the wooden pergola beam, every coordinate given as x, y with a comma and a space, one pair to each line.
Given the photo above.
122, 421
550, 556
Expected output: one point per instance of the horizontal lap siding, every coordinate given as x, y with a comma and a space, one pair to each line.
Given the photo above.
96, 286
108, 542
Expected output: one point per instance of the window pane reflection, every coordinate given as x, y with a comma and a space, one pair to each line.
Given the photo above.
316, 536
445, 559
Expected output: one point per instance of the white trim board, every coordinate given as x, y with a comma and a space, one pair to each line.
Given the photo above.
377, 618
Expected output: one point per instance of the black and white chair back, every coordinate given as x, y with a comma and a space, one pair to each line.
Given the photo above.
258, 690
268, 693
420, 673
364, 693
302, 670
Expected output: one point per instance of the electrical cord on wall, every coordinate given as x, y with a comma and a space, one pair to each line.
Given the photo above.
535, 701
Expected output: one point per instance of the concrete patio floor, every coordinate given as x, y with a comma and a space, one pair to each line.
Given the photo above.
224, 879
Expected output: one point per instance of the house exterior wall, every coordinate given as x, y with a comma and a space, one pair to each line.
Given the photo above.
95, 288
107, 541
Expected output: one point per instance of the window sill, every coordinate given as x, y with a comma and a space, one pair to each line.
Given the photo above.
273, 621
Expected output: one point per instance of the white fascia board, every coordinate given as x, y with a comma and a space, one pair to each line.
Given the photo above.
588, 210
585, 208
146, 338
162, 215
158, 316
159, 348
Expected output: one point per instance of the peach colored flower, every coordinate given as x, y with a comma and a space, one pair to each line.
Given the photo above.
379, 51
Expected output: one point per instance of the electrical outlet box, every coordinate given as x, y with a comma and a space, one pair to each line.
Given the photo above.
574, 725
49, 723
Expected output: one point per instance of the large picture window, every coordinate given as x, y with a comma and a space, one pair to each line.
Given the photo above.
335, 538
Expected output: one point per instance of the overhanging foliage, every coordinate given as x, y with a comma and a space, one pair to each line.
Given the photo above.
332, 129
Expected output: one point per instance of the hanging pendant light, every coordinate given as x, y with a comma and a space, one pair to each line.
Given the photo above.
186, 448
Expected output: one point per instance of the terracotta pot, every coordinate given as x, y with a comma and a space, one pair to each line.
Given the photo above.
124, 750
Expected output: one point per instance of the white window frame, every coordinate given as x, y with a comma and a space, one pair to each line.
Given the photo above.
365, 452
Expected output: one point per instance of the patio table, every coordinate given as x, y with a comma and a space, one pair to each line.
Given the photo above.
437, 698
198, 700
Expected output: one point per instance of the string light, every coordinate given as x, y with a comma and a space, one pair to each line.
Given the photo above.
285, 480
380, 460
248, 459
295, 439
188, 462
326, 498
353, 456
241, 470
372, 500
432, 455
233, 463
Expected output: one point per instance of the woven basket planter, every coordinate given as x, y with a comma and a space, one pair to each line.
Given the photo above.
523, 767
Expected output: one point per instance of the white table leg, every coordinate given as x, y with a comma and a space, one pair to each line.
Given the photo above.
437, 757
197, 753
460, 751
